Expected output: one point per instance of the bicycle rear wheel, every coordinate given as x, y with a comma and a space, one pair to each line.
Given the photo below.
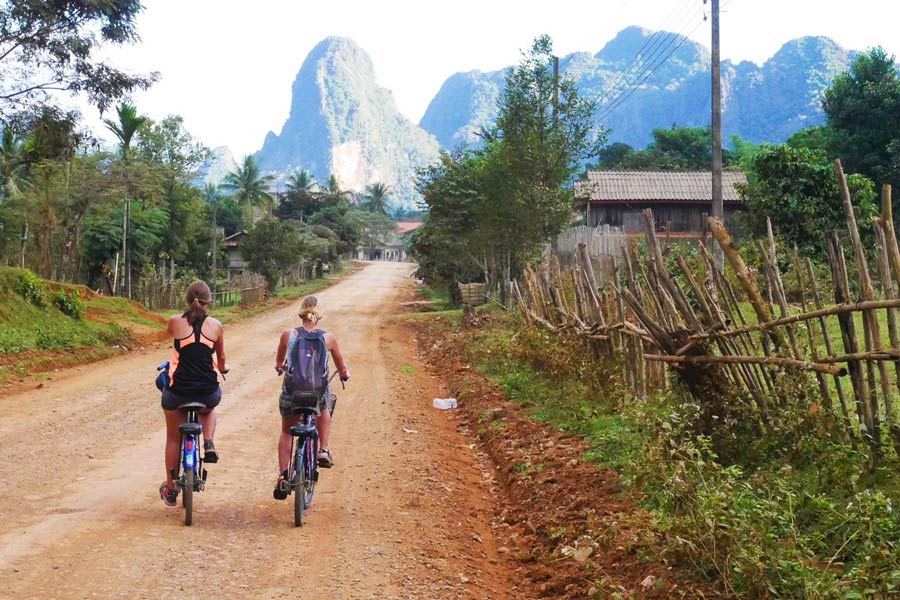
310, 478
187, 498
299, 489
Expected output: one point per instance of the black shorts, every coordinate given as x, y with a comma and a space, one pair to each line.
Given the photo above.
171, 400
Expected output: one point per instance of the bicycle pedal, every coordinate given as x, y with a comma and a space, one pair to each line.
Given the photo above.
315, 475
205, 473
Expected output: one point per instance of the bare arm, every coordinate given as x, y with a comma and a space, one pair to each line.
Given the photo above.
280, 355
335, 349
220, 352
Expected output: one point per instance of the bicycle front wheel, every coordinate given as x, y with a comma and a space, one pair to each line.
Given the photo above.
187, 497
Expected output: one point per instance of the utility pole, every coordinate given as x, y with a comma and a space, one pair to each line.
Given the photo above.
718, 209
555, 88
214, 246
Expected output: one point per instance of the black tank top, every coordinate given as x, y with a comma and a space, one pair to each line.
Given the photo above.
195, 373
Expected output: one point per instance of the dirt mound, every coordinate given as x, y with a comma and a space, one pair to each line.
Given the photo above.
572, 532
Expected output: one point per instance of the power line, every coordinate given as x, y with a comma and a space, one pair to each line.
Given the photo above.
650, 62
653, 40
613, 105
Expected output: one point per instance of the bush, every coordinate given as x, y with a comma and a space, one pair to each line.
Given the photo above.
30, 287
69, 304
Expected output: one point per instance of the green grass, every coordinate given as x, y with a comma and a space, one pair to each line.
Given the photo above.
25, 326
439, 297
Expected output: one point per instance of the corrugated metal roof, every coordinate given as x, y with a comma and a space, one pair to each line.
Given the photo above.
655, 186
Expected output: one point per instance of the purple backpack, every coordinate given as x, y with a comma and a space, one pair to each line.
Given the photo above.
306, 378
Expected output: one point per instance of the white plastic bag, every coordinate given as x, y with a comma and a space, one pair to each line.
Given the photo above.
444, 403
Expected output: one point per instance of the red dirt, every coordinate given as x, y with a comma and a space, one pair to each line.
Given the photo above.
553, 498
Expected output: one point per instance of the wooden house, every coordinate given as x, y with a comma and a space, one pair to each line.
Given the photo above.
680, 199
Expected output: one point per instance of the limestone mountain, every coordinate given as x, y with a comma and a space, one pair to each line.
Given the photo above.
341, 122
220, 162
760, 103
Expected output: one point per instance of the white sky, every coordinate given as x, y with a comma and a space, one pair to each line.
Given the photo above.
227, 65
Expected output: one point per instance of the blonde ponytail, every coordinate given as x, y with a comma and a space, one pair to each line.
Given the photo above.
309, 310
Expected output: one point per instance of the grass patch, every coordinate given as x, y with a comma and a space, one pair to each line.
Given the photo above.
29, 324
408, 370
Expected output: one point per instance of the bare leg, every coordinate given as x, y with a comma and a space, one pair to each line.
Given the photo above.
174, 418
207, 419
323, 424
284, 442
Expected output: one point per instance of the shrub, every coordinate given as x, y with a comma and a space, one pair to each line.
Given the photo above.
30, 287
69, 304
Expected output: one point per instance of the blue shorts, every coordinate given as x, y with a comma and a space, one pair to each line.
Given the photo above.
171, 400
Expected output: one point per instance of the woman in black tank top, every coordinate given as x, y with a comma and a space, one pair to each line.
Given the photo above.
198, 356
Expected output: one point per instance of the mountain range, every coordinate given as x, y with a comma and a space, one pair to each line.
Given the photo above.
341, 122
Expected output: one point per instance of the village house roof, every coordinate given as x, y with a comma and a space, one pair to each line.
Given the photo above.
405, 227
234, 239
613, 187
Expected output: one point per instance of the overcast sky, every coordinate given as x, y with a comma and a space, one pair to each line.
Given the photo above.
227, 66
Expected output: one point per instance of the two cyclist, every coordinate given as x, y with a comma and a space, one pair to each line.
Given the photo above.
291, 412
198, 356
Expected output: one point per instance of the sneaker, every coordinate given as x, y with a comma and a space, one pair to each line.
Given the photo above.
209, 452
281, 487
168, 495
324, 459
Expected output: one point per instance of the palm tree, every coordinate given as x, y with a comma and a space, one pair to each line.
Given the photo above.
13, 167
125, 128
14, 174
300, 181
377, 196
248, 186
128, 124
333, 194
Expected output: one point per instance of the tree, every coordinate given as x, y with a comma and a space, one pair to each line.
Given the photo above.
249, 187
333, 195
497, 204
125, 127
51, 46
300, 181
171, 146
300, 200
613, 156
13, 167
862, 107
271, 247
796, 188
377, 195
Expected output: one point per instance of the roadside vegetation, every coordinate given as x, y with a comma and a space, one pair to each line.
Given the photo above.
47, 325
793, 510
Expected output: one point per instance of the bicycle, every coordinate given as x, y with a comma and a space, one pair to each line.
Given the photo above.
190, 476
303, 468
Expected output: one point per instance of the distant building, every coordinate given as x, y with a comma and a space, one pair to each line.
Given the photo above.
394, 247
233, 252
680, 199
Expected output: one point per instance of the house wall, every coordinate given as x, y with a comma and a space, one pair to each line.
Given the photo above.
683, 218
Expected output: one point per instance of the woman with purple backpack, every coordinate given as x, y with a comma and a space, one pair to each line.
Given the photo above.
308, 335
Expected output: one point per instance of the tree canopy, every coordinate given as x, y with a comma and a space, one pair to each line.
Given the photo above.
492, 207
52, 46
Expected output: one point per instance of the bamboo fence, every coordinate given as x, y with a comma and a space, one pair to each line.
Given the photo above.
731, 337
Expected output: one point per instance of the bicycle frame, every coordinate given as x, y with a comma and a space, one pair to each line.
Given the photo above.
305, 453
190, 450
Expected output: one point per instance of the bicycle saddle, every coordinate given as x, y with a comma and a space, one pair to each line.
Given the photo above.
191, 406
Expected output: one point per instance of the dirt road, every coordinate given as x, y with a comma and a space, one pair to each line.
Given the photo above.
405, 513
